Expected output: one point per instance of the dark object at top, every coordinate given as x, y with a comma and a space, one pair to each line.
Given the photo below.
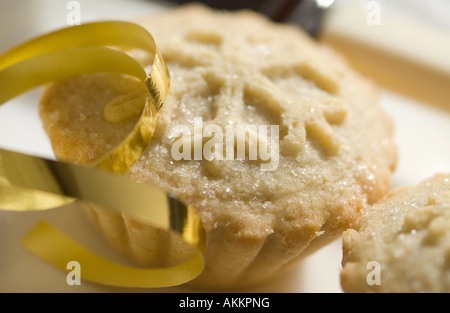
305, 13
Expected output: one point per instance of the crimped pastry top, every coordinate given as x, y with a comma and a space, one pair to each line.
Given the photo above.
335, 150
408, 235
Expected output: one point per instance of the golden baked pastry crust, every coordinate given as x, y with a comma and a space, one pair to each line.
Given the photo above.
408, 235
336, 151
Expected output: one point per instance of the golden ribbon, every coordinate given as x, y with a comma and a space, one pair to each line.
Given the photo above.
33, 183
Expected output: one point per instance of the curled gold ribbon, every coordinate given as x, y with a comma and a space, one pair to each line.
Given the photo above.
33, 183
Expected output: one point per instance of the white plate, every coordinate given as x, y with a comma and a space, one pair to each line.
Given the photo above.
422, 134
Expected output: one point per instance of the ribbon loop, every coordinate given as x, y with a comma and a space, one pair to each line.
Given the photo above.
32, 183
